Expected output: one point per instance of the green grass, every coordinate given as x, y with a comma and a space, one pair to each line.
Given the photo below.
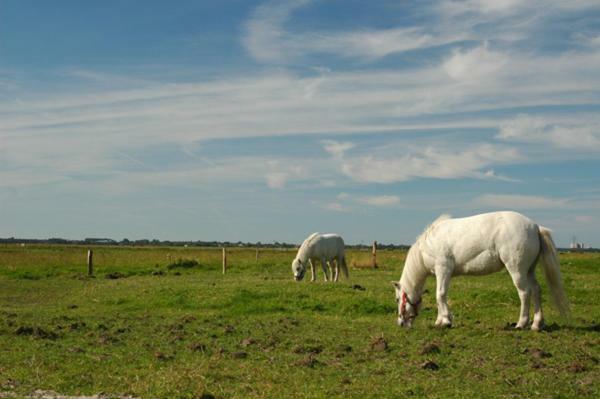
254, 332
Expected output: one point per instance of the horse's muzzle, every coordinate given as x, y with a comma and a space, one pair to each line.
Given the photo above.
404, 323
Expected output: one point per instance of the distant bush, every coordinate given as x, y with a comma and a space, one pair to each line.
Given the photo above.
183, 264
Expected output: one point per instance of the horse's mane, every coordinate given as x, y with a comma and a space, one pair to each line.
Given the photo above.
432, 225
308, 240
413, 257
305, 245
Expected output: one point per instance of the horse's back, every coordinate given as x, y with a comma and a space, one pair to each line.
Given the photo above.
485, 243
329, 245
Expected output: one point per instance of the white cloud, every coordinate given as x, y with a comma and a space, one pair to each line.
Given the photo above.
336, 148
276, 179
337, 207
474, 64
380, 200
267, 40
509, 201
429, 162
581, 135
457, 8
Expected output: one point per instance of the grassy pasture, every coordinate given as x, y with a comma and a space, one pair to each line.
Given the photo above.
254, 332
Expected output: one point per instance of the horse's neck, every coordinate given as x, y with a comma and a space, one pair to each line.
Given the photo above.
414, 274
303, 254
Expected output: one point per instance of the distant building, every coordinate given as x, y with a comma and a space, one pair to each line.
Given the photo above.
576, 245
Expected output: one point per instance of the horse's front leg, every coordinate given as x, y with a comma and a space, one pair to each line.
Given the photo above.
324, 266
313, 276
443, 272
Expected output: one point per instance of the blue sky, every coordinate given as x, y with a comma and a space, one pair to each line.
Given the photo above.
268, 120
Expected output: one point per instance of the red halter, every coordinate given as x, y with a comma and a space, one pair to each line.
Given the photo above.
405, 300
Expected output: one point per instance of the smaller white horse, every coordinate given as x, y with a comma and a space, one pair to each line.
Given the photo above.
325, 248
479, 245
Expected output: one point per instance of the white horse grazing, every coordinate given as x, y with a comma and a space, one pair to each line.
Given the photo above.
320, 247
479, 245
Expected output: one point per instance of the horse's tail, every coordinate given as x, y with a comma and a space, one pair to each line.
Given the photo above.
344, 266
551, 264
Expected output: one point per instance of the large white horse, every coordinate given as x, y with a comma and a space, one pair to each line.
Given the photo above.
324, 248
479, 245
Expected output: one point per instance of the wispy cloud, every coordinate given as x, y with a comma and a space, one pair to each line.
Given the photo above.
578, 135
380, 200
267, 39
336, 148
429, 162
509, 201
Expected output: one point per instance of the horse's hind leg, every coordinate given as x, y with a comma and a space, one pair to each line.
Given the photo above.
538, 318
324, 266
522, 282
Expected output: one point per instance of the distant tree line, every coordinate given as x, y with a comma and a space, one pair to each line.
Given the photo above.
169, 243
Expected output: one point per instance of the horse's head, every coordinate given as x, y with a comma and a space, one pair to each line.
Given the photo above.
298, 268
407, 309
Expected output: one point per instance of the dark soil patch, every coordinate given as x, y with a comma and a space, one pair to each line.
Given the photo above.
576, 367
183, 264
76, 326
239, 355
75, 349
248, 342
72, 306
188, 319
430, 348
509, 326
114, 275
197, 347
106, 339
594, 327
309, 361
429, 365
379, 344
37, 332
162, 356
358, 287
229, 329
537, 353
158, 273
344, 349
310, 349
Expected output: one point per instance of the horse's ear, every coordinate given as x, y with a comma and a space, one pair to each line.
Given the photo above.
396, 284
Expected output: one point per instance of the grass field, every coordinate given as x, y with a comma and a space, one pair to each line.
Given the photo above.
156, 332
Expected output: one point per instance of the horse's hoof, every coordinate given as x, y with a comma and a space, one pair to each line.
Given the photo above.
521, 327
443, 323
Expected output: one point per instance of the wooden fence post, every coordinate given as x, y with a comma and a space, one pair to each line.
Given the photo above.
374, 255
90, 262
224, 260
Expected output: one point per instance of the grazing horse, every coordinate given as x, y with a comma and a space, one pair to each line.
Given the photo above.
324, 248
479, 245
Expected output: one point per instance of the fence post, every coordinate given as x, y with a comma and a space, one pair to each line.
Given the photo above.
256, 255
90, 262
224, 260
374, 255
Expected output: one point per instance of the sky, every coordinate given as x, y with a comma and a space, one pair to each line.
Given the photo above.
265, 121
